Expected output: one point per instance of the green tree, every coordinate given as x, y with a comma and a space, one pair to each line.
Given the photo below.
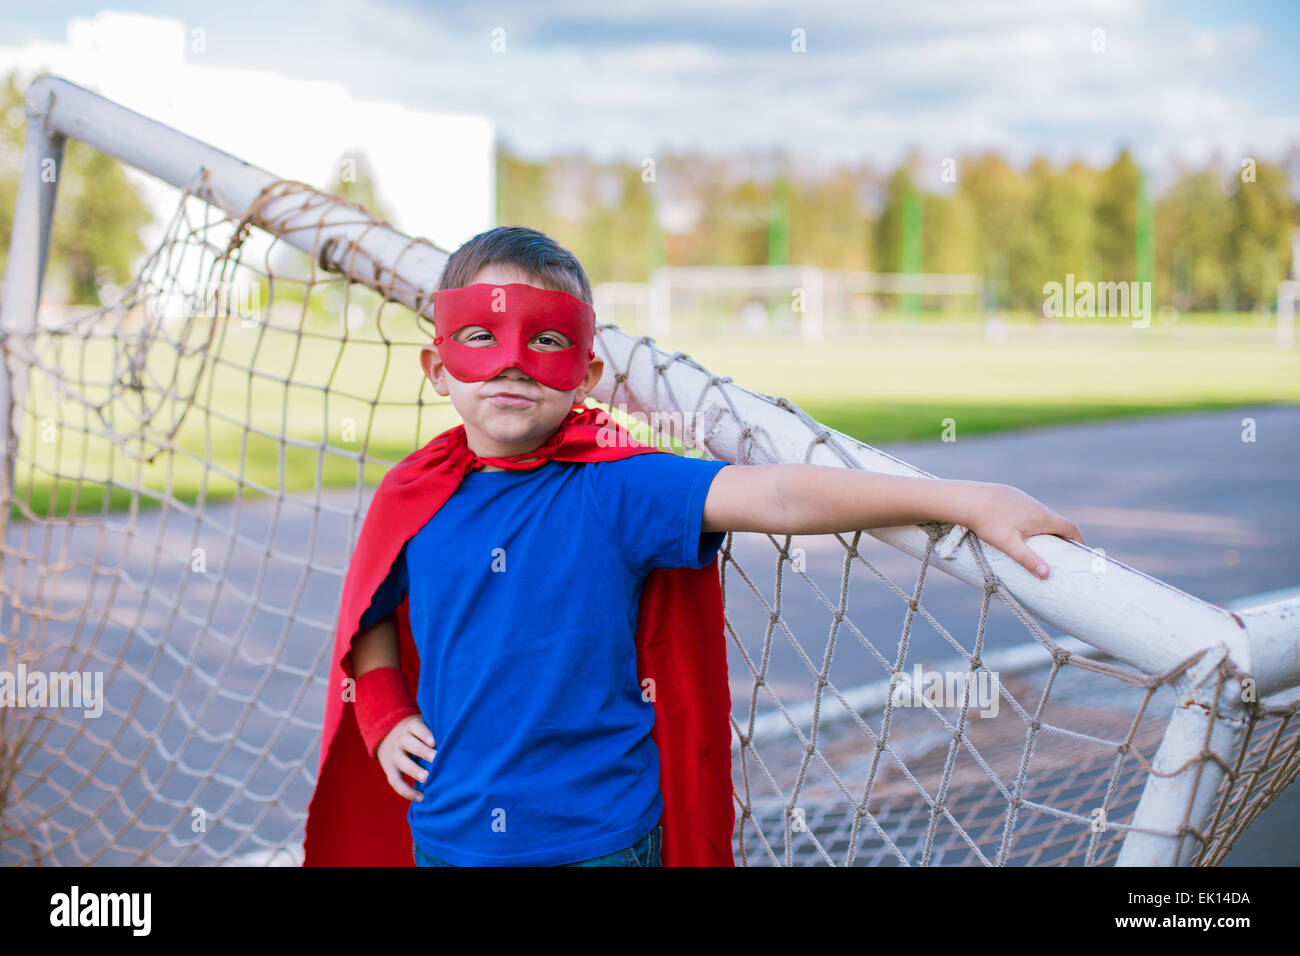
949, 233
1116, 221
892, 226
98, 214
1061, 214
1193, 265
828, 225
522, 188
1262, 217
1000, 198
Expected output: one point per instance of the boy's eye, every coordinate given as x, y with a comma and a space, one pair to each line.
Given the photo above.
550, 340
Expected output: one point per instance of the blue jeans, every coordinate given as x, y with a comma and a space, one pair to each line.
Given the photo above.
645, 852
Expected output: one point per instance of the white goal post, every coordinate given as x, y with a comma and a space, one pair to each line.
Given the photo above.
813, 292
1200, 651
1288, 293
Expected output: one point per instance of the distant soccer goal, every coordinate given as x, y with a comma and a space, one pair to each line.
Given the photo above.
186, 469
804, 303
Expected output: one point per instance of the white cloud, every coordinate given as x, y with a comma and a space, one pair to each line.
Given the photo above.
627, 79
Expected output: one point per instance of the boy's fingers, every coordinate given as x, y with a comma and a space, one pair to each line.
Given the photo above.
412, 744
1027, 558
409, 767
397, 783
1068, 529
417, 729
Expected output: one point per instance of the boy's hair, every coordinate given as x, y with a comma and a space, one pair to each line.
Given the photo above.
544, 260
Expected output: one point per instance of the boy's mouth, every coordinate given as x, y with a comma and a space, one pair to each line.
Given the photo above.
510, 400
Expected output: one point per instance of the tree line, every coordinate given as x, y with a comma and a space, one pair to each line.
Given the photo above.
1217, 237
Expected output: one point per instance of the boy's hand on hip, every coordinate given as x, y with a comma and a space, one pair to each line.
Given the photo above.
409, 736
1005, 517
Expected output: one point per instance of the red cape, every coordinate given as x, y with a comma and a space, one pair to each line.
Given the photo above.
356, 819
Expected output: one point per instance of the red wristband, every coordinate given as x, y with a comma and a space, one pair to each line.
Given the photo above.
383, 699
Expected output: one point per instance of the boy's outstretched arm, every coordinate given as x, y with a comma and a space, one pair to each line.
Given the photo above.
819, 499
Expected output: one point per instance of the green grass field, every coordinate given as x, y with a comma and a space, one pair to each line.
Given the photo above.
889, 381
901, 384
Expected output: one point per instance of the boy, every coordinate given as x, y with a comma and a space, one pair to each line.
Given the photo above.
521, 593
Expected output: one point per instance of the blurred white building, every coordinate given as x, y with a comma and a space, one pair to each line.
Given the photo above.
434, 171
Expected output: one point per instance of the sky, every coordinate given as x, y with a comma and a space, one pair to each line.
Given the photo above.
1171, 81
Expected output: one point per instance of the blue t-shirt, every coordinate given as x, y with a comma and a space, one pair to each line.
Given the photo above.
524, 592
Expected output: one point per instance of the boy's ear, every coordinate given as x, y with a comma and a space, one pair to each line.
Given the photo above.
594, 371
434, 370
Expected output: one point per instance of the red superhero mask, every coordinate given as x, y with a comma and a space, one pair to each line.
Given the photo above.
515, 314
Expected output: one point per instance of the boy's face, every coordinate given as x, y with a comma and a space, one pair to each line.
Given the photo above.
496, 425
